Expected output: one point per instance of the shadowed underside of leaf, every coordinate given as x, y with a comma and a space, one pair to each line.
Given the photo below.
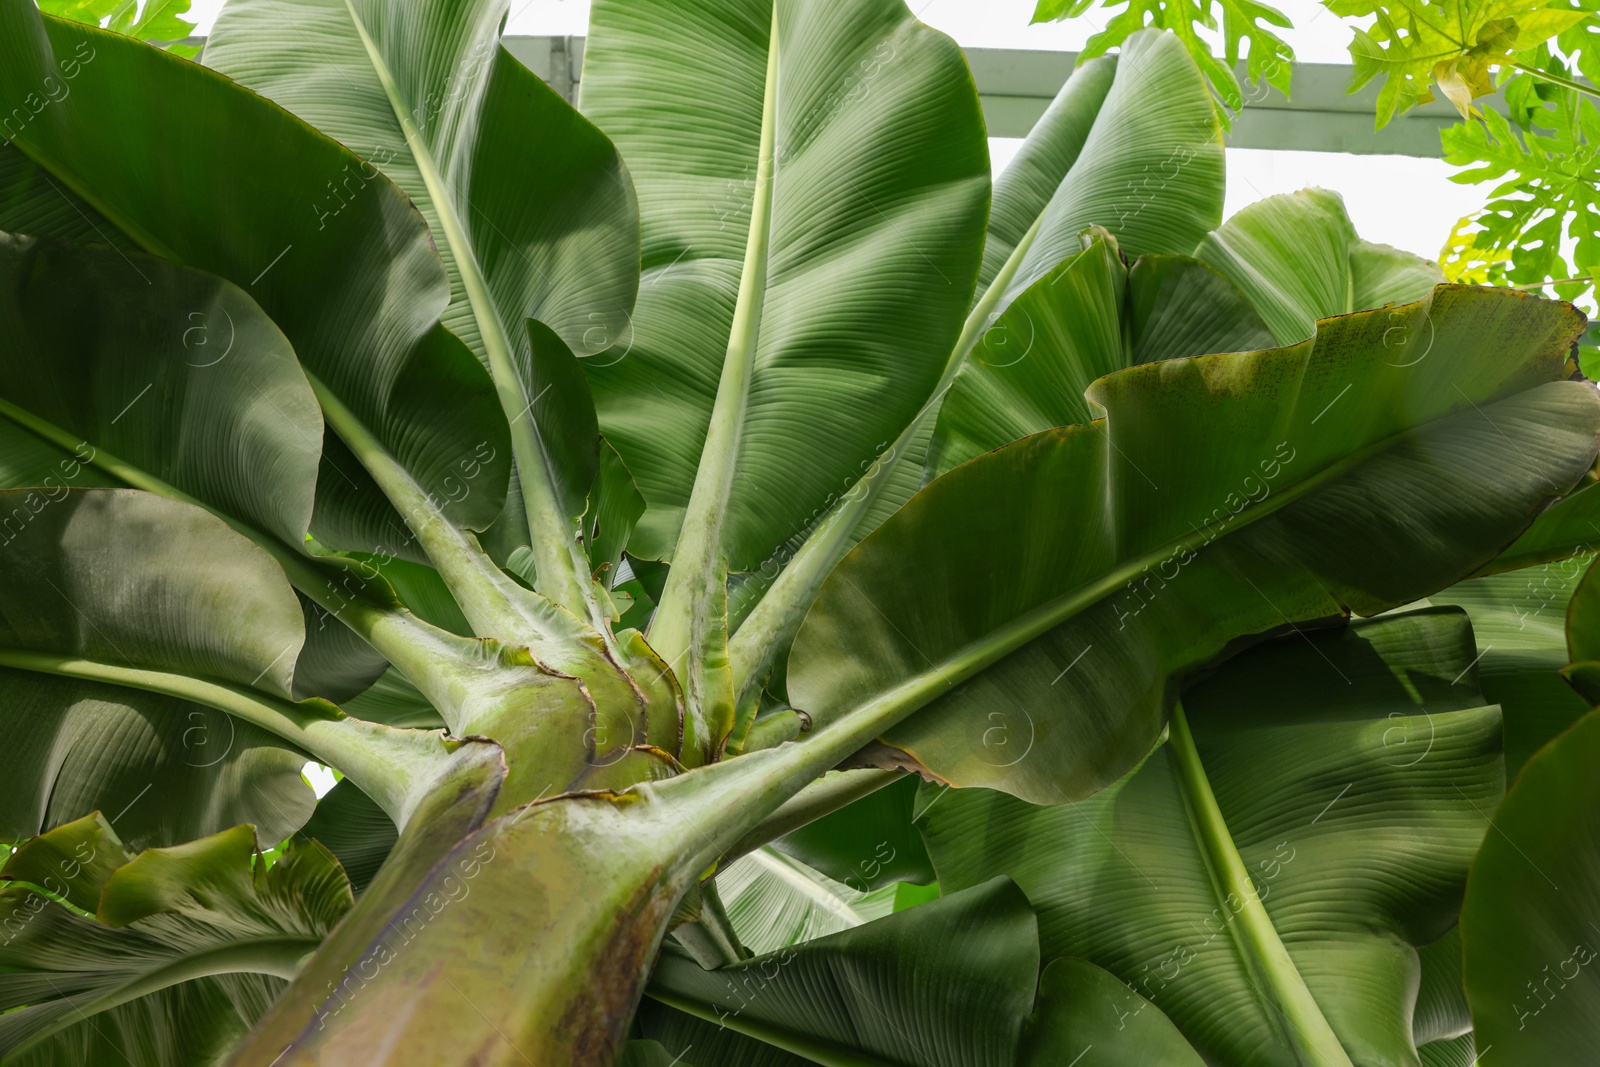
946, 984
951, 983
1349, 774
121, 368
126, 589
1519, 620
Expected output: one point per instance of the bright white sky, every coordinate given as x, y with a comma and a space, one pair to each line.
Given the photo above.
1399, 200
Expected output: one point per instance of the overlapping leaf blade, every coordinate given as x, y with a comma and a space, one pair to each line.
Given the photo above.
528, 203
1278, 266
128, 590
164, 958
947, 983
1130, 549
197, 170
774, 901
1354, 770
1519, 620
1297, 258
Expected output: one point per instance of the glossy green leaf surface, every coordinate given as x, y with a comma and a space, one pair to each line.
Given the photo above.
881, 185
775, 901
1150, 170
163, 769
1571, 527
176, 373
1220, 497
1353, 772
1083, 1008
1029, 371
165, 957
124, 577
123, 369
544, 207
1089, 161
1533, 899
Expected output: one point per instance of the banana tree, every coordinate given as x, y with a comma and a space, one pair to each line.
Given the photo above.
350, 376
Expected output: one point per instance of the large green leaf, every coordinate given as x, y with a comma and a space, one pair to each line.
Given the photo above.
163, 769
167, 379
1528, 924
197, 170
1032, 366
1263, 877
1297, 258
876, 227
1137, 153
1221, 497
158, 960
1264, 277
203, 171
528, 204
951, 982
177, 374
1570, 528
1082, 1007
1149, 171
125, 589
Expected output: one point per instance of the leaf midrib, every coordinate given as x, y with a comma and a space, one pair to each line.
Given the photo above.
560, 576
387, 764
1261, 951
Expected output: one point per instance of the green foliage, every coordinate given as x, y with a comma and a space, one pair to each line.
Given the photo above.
1243, 22
150, 20
1456, 46
205, 932
583, 462
1530, 982
1542, 219
1307, 822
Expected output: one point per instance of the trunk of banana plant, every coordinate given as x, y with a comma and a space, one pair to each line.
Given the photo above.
528, 940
